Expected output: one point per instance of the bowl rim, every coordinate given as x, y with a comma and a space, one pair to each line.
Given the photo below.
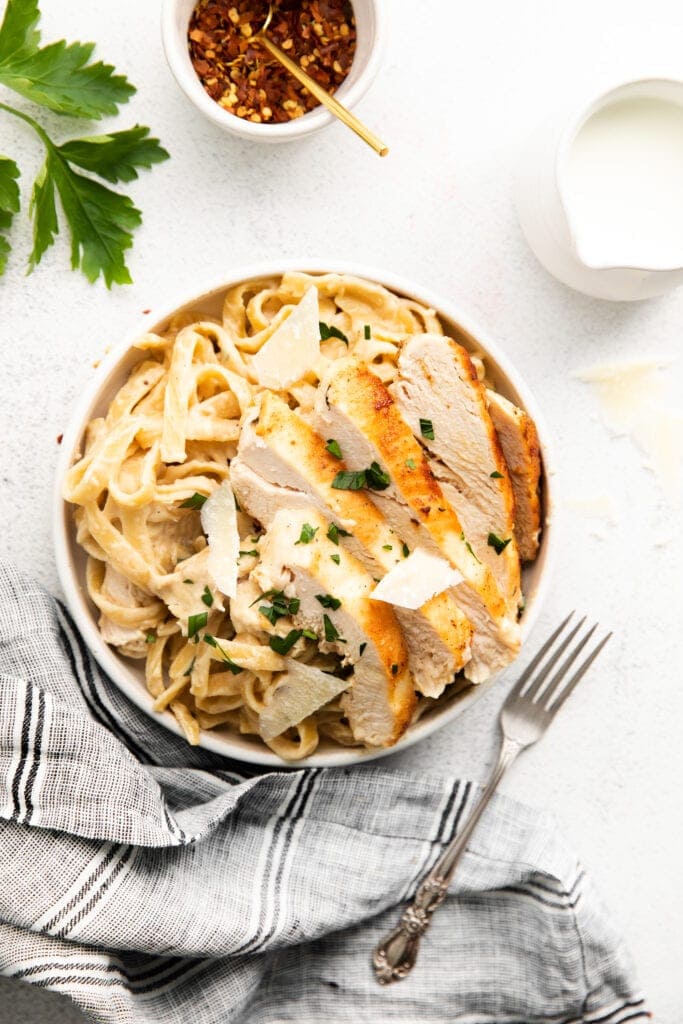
313, 121
234, 746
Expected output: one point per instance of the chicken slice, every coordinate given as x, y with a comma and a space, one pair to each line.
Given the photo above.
522, 451
437, 381
355, 407
380, 701
283, 463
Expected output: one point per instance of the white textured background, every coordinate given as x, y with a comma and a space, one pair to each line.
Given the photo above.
461, 86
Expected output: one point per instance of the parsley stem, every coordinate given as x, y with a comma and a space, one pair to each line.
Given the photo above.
44, 137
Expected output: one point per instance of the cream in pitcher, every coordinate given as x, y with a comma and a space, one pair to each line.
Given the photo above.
600, 196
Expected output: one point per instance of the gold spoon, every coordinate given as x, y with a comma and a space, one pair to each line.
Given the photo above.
332, 104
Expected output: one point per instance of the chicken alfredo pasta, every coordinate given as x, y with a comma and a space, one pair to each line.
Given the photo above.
308, 518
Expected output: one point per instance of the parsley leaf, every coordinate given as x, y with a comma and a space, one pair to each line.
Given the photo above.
9, 203
387, 547
331, 633
335, 558
207, 597
151, 638
497, 543
362, 648
196, 622
327, 601
427, 429
327, 331
58, 76
227, 660
309, 634
496, 475
334, 532
376, 477
253, 553
367, 332
469, 548
405, 550
307, 534
280, 606
284, 644
373, 477
346, 480
196, 501
116, 156
410, 463
333, 448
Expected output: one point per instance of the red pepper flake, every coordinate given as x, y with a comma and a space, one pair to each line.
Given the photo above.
146, 311
60, 438
244, 79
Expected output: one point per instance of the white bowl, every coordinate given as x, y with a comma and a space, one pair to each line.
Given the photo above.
370, 39
112, 373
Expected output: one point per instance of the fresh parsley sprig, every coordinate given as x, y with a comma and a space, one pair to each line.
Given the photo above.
61, 77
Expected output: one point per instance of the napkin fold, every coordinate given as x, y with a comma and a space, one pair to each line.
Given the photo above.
152, 882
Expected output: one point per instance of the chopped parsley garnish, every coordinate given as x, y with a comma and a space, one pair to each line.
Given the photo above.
330, 331
280, 605
410, 463
427, 429
188, 581
406, 550
207, 597
376, 478
469, 548
334, 532
496, 475
373, 477
227, 660
362, 648
188, 670
327, 601
151, 638
284, 644
394, 670
309, 634
367, 332
331, 633
196, 622
387, 547
333, 448
497, 543
252, 553
196, 501
346, 480
307, 534
335, 558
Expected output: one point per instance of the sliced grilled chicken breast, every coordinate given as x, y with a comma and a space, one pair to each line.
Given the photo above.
522, 452
283, 463
381, 699
438, 390
355, 407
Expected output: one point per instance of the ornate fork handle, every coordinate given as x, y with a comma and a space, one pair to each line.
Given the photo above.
396, 954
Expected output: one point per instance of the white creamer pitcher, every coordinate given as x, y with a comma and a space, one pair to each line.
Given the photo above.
600, 193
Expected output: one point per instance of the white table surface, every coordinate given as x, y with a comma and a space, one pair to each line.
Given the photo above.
461, 86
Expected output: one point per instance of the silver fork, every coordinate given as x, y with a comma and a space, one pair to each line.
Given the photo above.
529, 709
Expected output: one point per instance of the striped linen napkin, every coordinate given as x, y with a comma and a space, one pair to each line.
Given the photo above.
152, 882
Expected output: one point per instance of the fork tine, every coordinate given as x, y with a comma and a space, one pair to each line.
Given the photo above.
578, 675
539, 683
534, 663
553, 686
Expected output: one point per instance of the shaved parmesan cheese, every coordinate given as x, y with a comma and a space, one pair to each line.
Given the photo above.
219, 522
415, 580
293, 348
303, 691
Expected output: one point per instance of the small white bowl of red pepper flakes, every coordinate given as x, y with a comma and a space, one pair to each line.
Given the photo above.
239, 86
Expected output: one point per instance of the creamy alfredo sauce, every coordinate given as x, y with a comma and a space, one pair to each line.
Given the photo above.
623, 185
